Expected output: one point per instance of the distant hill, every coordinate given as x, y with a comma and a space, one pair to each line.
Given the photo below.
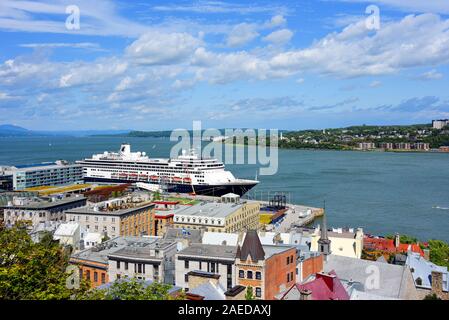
9, 130
12, 130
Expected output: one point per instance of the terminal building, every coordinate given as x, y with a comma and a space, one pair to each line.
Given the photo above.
21, 177
229, 215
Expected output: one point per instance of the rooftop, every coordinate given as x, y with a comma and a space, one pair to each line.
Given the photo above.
209, 250
143, 250
45, 203
210, 209
422, 269
99, 253
91, 210
394, 281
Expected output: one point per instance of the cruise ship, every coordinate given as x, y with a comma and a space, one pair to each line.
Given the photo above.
188, 173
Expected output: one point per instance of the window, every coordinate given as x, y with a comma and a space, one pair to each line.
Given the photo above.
88, 275
126, 265
118, 265
103, 278
249, 274
241, 274
258, 292
95, 276
258, 275
288, 260
186, 264
186, 278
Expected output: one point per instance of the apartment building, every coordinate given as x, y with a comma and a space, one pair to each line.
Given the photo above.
122, 218
43, 174
215, 259
39, 209
146, 258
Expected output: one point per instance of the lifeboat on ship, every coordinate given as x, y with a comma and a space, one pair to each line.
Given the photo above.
177, 179
143, 176
187, 180
133, 176
154, 178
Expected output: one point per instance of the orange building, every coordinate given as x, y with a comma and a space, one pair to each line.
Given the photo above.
309, 264
96, 273
163, 217
268, 269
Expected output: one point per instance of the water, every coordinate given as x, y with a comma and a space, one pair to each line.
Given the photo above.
381, 192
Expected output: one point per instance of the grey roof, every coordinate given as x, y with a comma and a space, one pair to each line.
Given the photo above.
101, 252
43, 203
423, 269
210, 209
394, 281
142, 250
209, 250
192, 235
271, 250
91, 211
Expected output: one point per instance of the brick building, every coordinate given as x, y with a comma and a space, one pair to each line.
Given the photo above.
268, 269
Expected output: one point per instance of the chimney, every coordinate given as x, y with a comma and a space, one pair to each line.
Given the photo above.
397, 240
305, 294
328, 279
437, 283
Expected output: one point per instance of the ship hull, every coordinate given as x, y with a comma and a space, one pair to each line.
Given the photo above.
208, 190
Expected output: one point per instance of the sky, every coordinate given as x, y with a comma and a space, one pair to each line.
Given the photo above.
159, 65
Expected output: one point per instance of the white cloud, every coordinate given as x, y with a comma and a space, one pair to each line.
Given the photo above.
76, 45
411, 42
430, 75
241, 34
276, 21
279, 37
162, 48
375, 84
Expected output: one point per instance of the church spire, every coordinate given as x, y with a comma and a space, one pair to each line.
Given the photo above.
324, 244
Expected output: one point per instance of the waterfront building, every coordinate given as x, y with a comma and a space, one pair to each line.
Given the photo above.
322, 286
366, 146
440, 124
374, 278
428, 277
421, 146
164, 214
268, 269
219, 216
215, 259
117, 217
43, 174
146, 258
39, 210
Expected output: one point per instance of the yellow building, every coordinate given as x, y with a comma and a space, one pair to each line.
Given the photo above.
219, 216
343, 242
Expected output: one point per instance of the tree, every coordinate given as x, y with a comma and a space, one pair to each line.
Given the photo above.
31, 270
132, 289
432, 296
439, 252
249, 293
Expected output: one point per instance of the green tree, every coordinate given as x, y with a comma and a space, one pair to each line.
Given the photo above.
31, 270
156, 196
132, 289
249, 295
439, 252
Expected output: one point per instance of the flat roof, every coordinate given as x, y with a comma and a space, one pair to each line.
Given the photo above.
46, 204
209, 250
99, 253
210, 209
42, 166
141, 250
91, 211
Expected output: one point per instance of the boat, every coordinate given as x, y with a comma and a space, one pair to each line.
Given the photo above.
187, 173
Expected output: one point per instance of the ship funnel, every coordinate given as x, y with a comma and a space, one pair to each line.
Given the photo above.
125, 148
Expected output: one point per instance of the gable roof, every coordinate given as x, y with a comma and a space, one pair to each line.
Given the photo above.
251, 246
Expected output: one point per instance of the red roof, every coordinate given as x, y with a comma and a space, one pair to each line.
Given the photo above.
382, 244
324, 287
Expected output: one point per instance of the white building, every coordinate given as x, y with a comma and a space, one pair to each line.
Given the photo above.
68, 234
440, 124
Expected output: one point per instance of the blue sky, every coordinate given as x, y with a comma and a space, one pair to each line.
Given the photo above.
152, 65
